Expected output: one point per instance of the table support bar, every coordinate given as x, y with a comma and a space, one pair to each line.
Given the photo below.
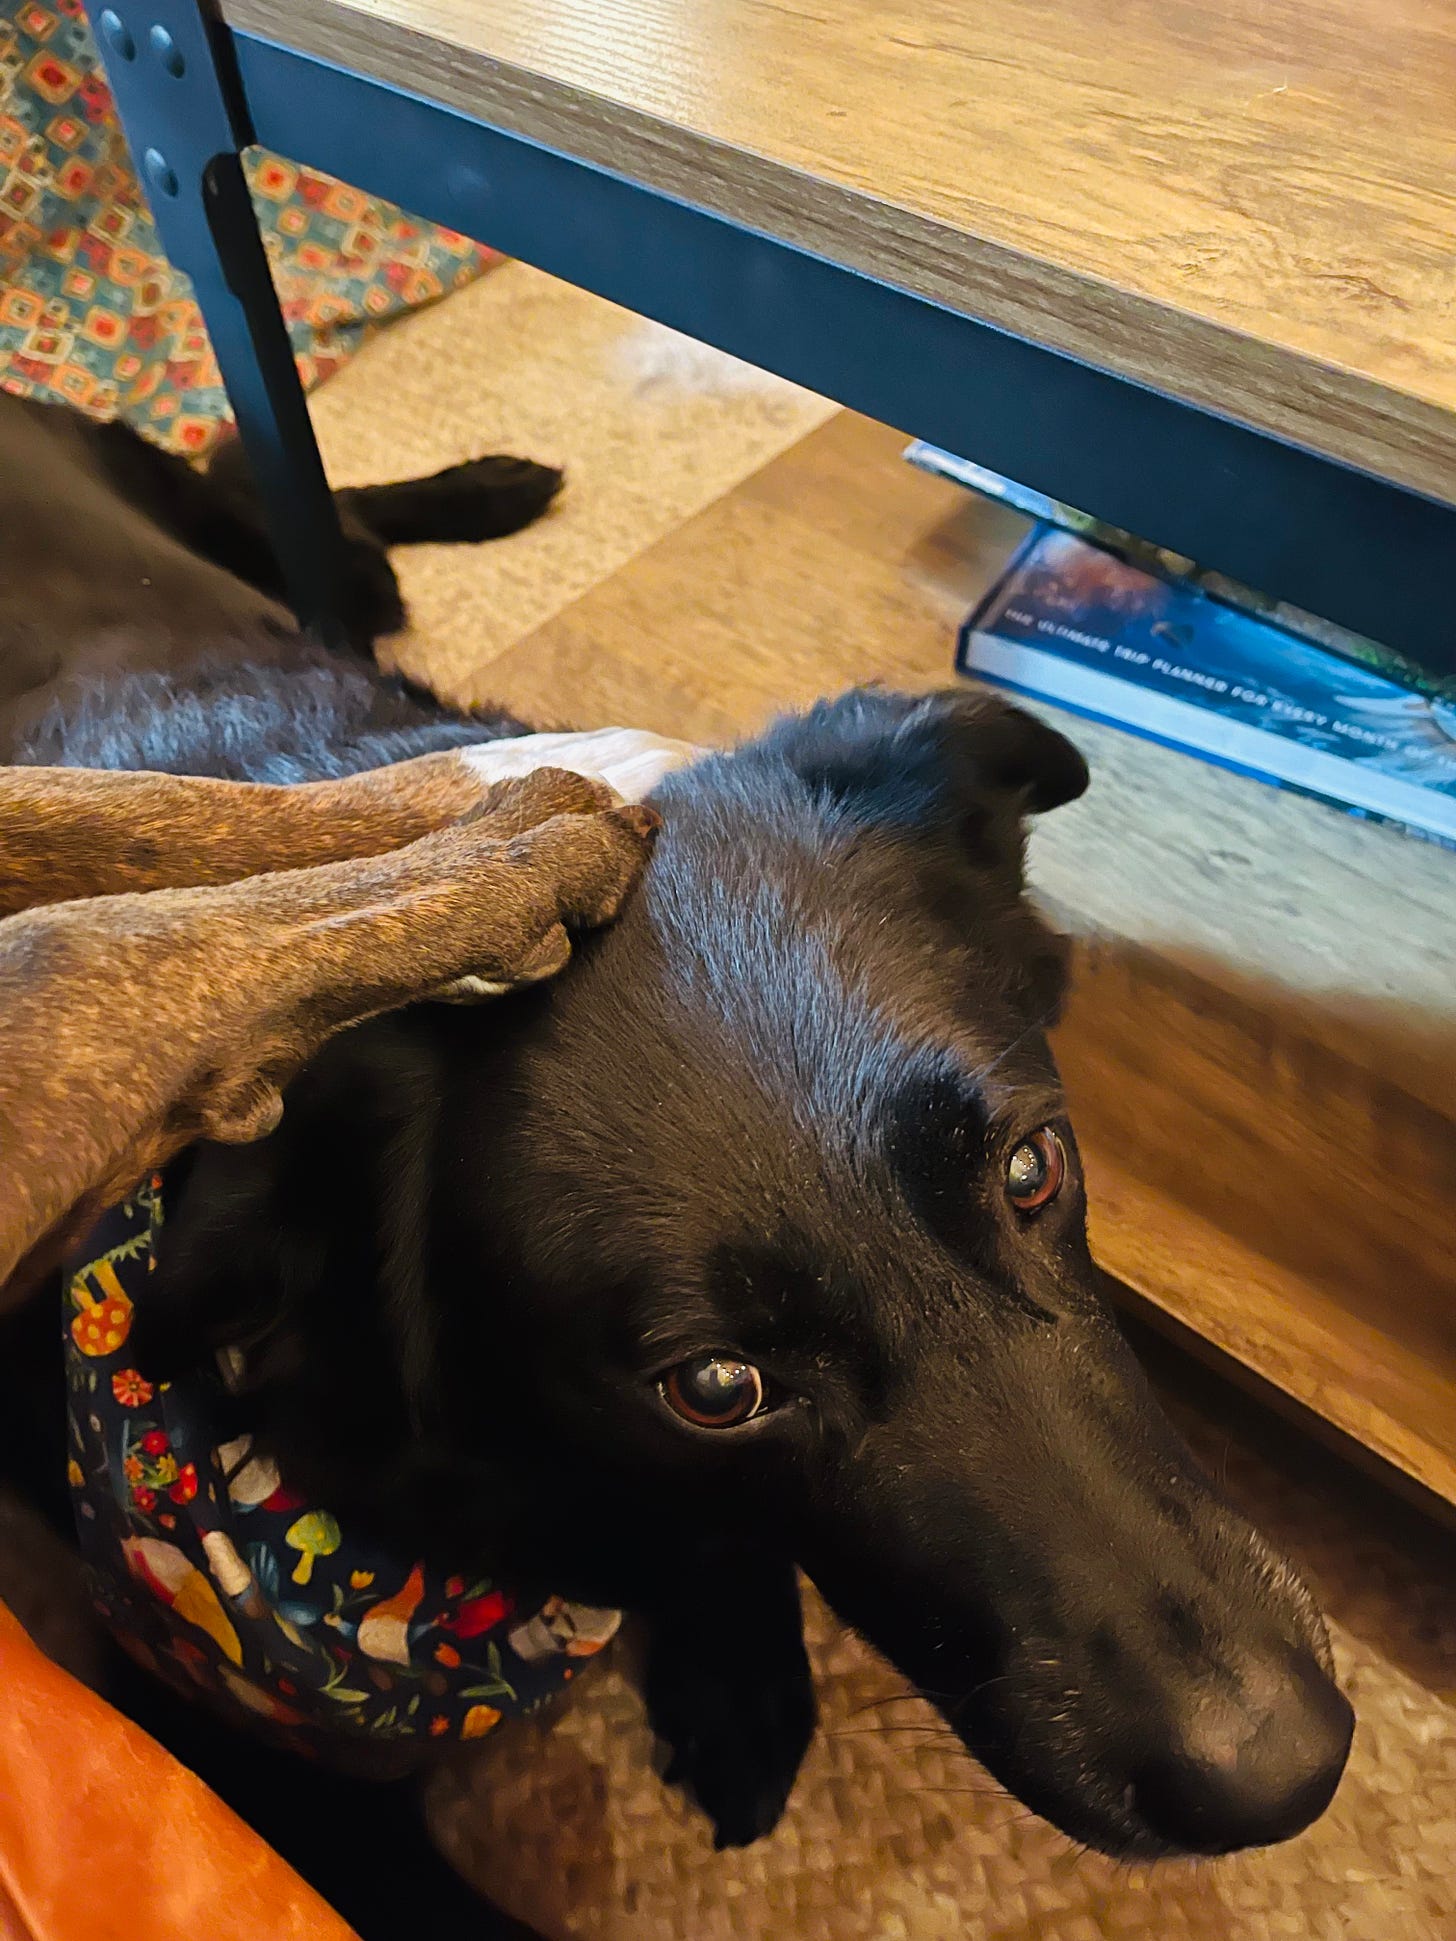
182, 108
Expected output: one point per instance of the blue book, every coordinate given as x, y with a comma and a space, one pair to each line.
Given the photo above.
1080, 626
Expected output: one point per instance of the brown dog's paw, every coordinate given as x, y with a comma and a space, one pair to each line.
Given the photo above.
571, 872
592, 862
234, 1111
525, 801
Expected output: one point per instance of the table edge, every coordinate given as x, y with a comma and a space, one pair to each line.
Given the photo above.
1335, 411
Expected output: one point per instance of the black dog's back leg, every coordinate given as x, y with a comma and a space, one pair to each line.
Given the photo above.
227, 525
485, 498
481, 498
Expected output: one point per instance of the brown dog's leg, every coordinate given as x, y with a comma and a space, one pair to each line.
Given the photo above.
74, 832
133, 1025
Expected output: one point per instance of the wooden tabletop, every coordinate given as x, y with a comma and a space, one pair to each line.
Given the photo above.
1250, 204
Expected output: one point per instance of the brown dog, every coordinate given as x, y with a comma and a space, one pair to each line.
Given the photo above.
156, 989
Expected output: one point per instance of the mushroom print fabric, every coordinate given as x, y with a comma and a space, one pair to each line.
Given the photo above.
218, 1577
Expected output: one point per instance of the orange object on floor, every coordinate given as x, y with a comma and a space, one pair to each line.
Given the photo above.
104, 1836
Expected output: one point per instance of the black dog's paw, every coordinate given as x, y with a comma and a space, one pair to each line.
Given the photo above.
485, 498
737, 1723
740, 1765
489, 498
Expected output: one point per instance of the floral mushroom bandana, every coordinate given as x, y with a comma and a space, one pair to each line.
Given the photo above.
214, 1574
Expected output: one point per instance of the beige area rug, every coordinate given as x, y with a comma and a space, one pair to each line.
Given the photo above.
649, 426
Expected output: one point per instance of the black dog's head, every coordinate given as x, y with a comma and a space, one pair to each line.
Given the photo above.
795, 1218
768, 1220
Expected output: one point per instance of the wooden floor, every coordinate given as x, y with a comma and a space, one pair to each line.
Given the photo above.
1262, 1048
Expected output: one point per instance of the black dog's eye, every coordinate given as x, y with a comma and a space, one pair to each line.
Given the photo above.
713, 1391
1035, 1171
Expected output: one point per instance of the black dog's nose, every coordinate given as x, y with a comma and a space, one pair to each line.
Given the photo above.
1246, 1774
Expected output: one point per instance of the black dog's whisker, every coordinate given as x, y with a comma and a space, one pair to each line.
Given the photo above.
901, 1698
958, 1705
1016, 1814
1043, 1023
924, 1730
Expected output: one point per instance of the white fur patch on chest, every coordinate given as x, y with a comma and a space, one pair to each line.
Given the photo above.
631, 761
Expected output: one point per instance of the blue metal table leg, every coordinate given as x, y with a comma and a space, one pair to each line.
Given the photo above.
182, 110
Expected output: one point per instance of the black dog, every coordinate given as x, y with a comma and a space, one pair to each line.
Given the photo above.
755, 1242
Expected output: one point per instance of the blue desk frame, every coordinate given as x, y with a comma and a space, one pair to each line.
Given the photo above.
1357, 549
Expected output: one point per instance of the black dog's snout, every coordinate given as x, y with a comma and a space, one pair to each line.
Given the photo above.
1249, 1767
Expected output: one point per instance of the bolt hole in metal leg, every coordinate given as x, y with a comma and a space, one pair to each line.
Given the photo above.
117, 35
159, 173
168, 53
122, 42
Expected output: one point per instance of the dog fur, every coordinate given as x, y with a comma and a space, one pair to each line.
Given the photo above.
157, 989
770, 1113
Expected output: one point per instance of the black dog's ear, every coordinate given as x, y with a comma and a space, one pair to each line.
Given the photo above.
268, 1243
1017, 752
962, 758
